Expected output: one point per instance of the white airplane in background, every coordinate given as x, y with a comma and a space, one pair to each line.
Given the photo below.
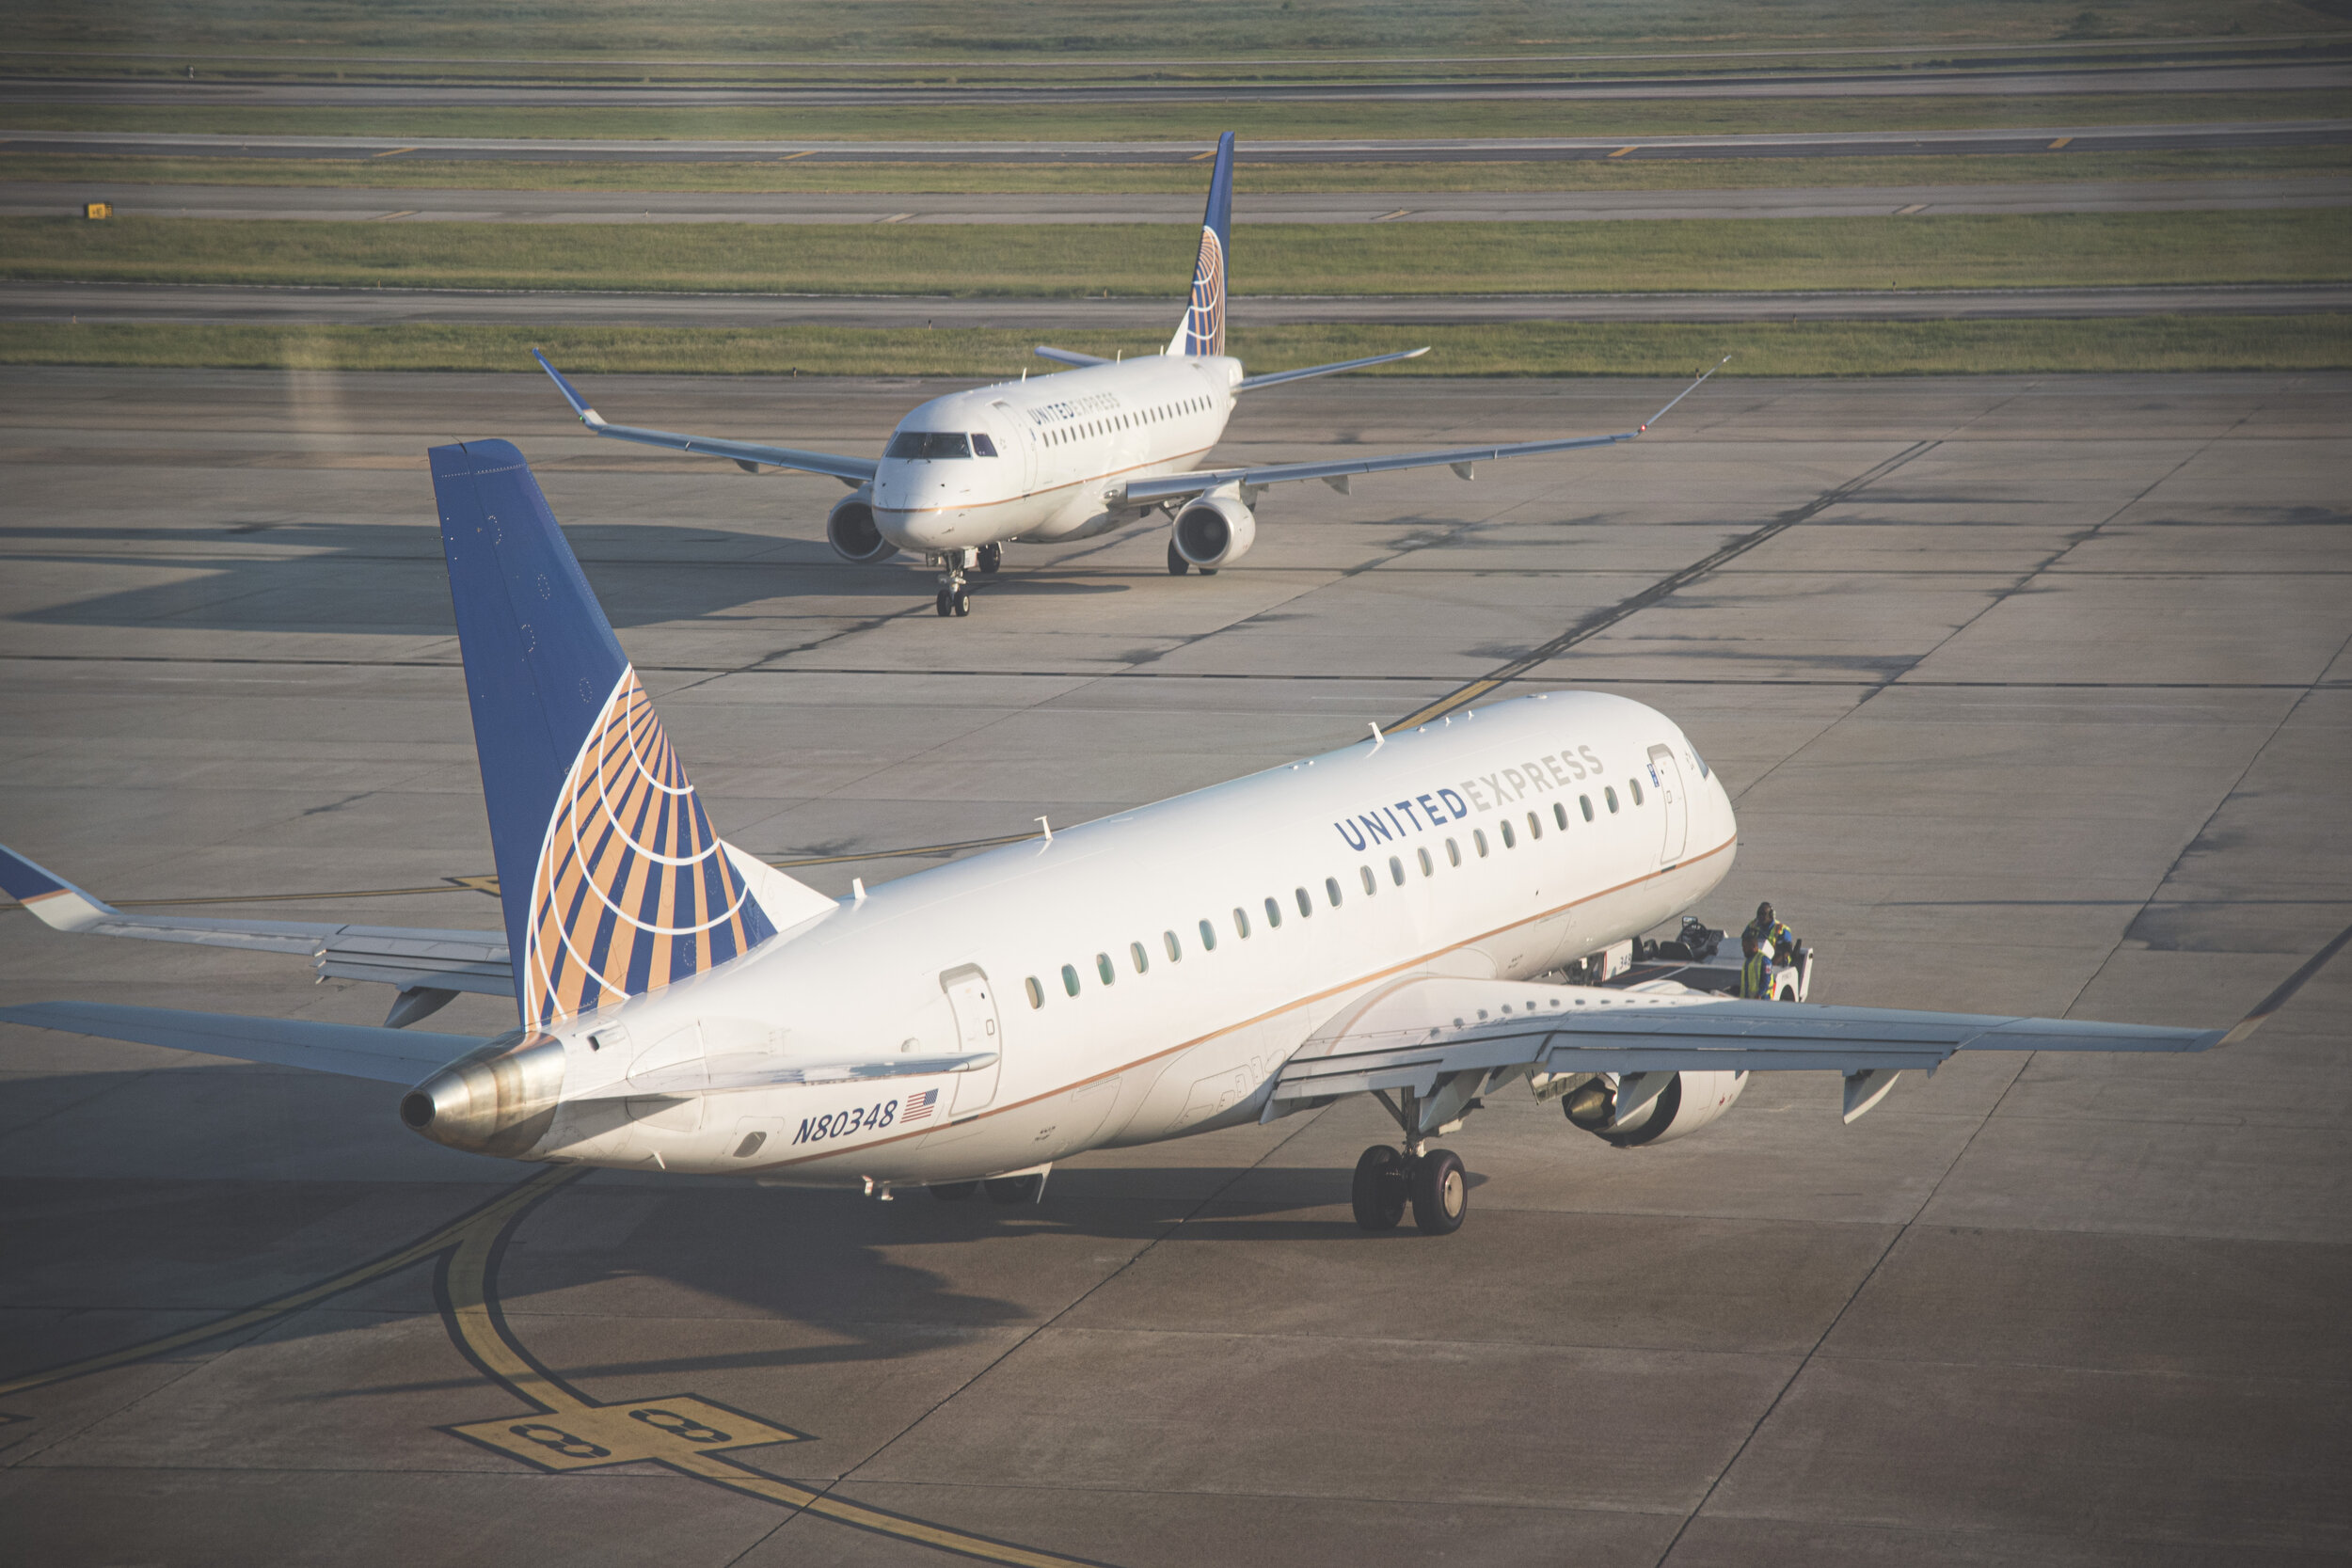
1072, 455
1369, 921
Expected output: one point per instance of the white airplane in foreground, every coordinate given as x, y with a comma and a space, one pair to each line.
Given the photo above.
1369, 921
1072, 455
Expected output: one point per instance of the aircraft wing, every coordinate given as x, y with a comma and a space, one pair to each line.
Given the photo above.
1068, 357
749, 456
1276, 378
354, 1051
1336, 473
404, 957
1425, 1032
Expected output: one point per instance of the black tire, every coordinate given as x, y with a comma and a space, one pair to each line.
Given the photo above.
942, 602
1208, 571
1177, 565
954, 1192
962, 602
1379, 1191
1440, 1193
991, 557
1012, 1189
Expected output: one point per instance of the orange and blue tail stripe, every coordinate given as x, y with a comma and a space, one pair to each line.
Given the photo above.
613, 882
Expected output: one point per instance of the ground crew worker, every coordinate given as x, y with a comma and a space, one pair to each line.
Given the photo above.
1767, 930
1756, 969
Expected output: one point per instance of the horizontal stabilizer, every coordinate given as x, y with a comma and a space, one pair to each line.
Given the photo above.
397, 954
353, 1051
1068, 357
1252, 383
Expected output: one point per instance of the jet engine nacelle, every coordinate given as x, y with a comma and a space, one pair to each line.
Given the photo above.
1215, 530
1683, 1104
850, 530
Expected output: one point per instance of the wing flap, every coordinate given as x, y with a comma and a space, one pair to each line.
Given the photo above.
352, 1051
1423, 1031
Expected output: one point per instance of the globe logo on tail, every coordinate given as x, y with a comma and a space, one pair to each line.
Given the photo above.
635, 891
1205, 323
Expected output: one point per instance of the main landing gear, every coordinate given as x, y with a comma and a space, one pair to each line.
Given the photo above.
1178, 566
1433, 1183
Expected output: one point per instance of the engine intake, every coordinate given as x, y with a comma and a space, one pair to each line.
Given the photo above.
1215, 530
1683, 1104
850, 529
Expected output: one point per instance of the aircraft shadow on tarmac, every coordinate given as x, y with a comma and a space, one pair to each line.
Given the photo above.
844, 1265
374, 577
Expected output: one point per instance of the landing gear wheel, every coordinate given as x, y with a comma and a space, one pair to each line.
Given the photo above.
1379, 1193
1440, 1193
945, 602
1177, 565
954, 1192
991, 557
1012, 1189
960, 601
1208, 571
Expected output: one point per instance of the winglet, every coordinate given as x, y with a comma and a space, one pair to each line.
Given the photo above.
2285, 992
59, 905
588, 416
1677, 397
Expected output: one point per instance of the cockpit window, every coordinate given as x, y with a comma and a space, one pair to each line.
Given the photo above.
930, 443
981, 445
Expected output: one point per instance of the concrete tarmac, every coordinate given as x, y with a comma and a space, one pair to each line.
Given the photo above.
295, 306
36, 199
2003, 80
1954, 142
2052, 715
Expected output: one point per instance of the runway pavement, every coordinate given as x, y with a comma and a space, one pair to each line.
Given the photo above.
27, 199
2039, 700
1816, 144
1998, 80
165, 302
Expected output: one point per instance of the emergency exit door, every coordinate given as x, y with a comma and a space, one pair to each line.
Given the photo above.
974, 1003
1665, 776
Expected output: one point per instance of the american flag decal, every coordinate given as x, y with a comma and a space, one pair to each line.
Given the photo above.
919, 1105
634, 889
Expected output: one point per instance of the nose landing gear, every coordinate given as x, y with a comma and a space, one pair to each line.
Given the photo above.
955, 597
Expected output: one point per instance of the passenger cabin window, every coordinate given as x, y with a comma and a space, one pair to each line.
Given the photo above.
981, 445
1534, 826
1428, 866
1585, 801
1036, 992
1069, 979
1478, 841
1371, 886
1453, 853
1208, 937
1396, 871
1510, 840
1102, 967
1560, 814
1175, 948
1273, 914
930, 443
1241, 921
1141, 959
1306, 905
1609, 795
1332, 890
1635, 785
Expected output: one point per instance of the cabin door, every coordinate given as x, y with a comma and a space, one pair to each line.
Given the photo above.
1025, 437
1665, 776
974, 1003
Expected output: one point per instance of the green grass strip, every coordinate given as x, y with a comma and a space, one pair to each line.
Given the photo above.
770, 175
2309, 343
2080, 249
1630, 118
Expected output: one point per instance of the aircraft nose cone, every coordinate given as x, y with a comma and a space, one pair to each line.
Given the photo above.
500, 1100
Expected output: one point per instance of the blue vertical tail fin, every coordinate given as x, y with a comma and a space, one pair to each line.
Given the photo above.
613, 879
1203, 330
